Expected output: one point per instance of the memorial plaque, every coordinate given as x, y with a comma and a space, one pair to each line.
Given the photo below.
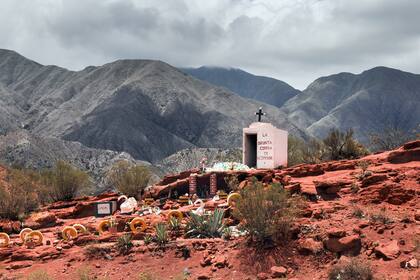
106, 208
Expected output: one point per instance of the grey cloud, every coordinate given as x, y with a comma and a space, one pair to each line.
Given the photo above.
295, 41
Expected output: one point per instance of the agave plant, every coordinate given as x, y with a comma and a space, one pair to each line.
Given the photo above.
124, 244
206, 226
161, 236
174, 224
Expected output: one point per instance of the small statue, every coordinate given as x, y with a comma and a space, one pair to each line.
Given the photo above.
203, 163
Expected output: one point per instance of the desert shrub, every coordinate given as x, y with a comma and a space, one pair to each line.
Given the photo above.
64, 181
145, 276
380, 217
39, 275
343, 145
128, 179
96, 251
391, 137
161, 236
299, 151
19, 195
83, 273
358, 212
354, 270
124, 244
416, 243
205, 226
266, 213
354, 188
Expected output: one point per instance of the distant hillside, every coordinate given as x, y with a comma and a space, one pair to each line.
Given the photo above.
368, 102
190, 158
20, 148
146, 108
264, 89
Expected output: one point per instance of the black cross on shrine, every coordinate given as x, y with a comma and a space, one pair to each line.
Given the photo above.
259, 114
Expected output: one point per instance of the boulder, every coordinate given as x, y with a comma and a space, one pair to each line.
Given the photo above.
331, 186
349, 244
411, 145
373, 179
278, 271
403, 156
41, 220
310, 246
336, 232
388, 251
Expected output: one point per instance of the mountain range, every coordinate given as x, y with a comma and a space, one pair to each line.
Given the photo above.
150, 110
371, 102
264, 89
146, 108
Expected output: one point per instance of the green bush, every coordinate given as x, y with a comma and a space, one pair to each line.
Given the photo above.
266, 213
205, 226
64, 182
354, 270
128, 179
19, 195
343, 145
299, 151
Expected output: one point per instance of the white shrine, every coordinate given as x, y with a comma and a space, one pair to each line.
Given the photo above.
264, 145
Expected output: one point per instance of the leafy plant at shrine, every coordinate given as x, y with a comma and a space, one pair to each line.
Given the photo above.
174, 224
147, 239
124, 244
205, 226
161, 237
266, 213
128, 179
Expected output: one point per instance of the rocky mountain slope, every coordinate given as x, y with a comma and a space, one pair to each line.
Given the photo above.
372, 101
264, 89
369, 215
146, 108
190, 158
22, 149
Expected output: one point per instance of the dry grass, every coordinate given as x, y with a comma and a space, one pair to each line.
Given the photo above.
39, 275
354, 270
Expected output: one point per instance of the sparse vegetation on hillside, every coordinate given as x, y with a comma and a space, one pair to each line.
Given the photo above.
39, 275
20, 194
354, 270
336, 146
342, 145
391, 138
299, 151
266, 213
64, 181
128, 179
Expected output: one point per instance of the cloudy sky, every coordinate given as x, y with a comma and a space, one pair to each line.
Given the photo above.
293, 40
